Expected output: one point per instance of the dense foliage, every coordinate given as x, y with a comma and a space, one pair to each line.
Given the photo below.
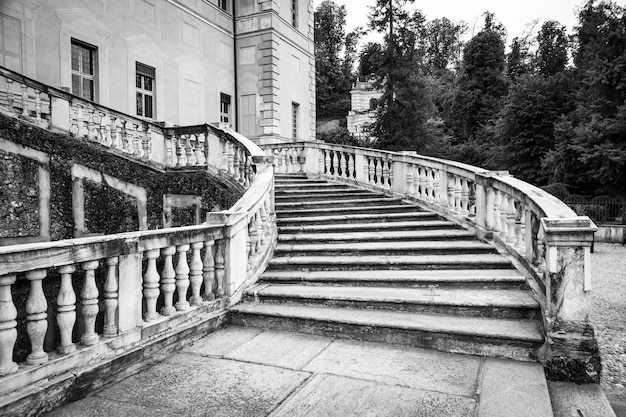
550, 108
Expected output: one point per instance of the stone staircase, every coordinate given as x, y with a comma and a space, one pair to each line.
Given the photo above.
357, 264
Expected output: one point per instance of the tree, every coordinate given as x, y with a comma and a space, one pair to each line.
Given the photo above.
481, 85
443, 44
334, 58
370, 60
518, 59
552, 50
590, 149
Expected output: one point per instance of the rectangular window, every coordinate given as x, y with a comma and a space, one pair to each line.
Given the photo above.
223, 4
294, 120
84, 70
145, 84
248, 115
224, 108
10, 43
294, 13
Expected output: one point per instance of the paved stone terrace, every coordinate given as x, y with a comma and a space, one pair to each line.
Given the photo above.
252, 372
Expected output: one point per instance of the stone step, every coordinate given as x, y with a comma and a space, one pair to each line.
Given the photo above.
373, 227
357, 218
334, 196
298, 192
305, 205
283, 212
298, 185
468, 278
485, 336
511, 304
380, 236
368, 262
383, 248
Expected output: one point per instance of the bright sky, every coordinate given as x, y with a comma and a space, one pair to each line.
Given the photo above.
515, 15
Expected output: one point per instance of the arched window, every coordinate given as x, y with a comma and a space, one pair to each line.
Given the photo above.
373, 104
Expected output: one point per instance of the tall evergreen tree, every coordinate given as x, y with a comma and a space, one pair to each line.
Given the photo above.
552, 50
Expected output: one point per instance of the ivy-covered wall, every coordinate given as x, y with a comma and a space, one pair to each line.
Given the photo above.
106, 210
19, 203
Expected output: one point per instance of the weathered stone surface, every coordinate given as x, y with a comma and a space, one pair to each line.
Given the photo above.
286, 350
96, 406
329, 395
570, 400
222, 342
188, 384
410, 367
513, 389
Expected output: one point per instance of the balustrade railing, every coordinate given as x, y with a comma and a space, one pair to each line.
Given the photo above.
548, 241
175, 147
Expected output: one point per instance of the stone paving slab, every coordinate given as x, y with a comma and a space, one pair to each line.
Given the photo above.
99, 407
286, 350
329, 395
189, 384
572, 400
224, 341
396, 365
513, 389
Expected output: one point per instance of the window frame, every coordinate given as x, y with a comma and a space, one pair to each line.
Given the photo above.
144, 72
295, 114
82, 76
225, 105
294, 13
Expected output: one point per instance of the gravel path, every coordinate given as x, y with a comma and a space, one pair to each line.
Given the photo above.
608, 315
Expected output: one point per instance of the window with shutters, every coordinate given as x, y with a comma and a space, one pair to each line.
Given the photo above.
145, 84
84, 70
224, 108
294, 13
294, 120
10, 43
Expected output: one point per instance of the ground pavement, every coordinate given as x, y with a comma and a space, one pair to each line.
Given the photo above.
254, 372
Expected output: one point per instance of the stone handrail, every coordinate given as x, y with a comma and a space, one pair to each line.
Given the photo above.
174, 147
146, 284
543, 237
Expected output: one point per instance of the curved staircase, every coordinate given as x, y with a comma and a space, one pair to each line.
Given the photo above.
358, 264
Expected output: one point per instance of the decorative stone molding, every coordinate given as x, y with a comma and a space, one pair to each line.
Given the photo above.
180, 201
81, 173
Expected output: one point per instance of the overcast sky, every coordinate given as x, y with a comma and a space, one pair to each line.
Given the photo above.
515, 15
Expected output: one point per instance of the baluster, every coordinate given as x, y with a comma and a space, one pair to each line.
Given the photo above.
170, 151
208, 270
276, 161
416, 181
191, 158
437, 192
386, 174
200, 159
497, 226
224, 147
520, 233
343, 163
181, 158
327, 162
91, 126
136, 144
430, 185
259, 230
24, 100
36, 310
206, 148
66, 310
102, 129
231, 158
379, 172
464, 197
168, 281
264, 225
288, 163
195, 273
302, 160
471, 201
124, 136
457, 194
8, 324
182, 277
219, 268
248, 172
10, 96
38, 106
409, 180
146, 142
510, 221
504, 204
151, 285
114, 133
236, 165
111, 295
89, 300
252, 235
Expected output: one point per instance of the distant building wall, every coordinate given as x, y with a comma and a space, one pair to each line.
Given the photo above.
364, 101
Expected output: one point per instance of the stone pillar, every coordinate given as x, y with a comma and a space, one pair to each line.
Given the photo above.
572, 353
